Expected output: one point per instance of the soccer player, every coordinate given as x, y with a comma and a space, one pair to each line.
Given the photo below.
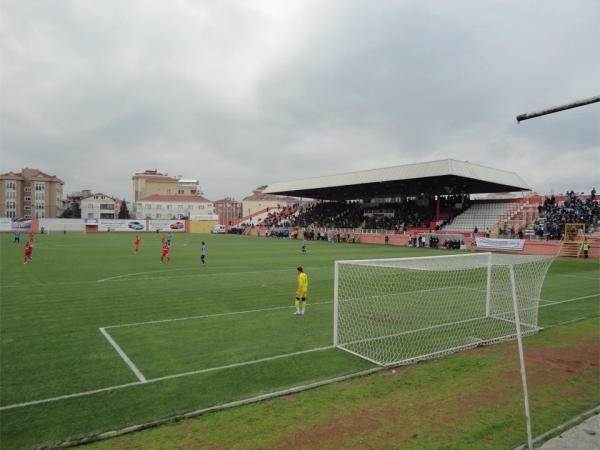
17, 237
301, 292
203, 253
137, 244
165, 253
170, 238
28, 251
304, 244
31, 235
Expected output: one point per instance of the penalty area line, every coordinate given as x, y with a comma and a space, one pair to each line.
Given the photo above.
208, 316
156, 380
140, 376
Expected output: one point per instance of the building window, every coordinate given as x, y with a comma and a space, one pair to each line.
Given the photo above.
168, 206
180, 207
158, 206
147, 206
158, 216
27, 189
180, 191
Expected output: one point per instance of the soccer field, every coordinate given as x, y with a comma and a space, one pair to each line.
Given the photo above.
94, 337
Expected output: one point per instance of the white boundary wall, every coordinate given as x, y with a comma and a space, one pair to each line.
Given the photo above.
62, 225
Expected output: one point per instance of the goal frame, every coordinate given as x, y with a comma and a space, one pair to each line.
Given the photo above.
515, 307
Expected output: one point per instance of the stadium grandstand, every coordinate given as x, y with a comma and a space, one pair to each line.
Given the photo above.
420, 197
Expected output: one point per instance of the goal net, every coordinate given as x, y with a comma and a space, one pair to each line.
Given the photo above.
399, 311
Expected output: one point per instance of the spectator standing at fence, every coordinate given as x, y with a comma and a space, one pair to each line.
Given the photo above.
386, 239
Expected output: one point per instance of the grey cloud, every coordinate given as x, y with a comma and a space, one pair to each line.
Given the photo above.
240, 94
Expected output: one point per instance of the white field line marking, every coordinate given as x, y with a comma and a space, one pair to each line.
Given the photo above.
207, 316
547, 301
122, 354
142, 273
571, 300
576, 276
155, 380
245, 363
213, 274
193, 268
137, 383
248, 311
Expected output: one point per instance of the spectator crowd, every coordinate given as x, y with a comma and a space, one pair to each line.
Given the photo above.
576, 208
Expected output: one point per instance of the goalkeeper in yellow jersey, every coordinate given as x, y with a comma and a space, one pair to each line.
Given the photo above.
301, 292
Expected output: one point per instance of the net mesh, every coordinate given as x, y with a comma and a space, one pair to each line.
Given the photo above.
398, 311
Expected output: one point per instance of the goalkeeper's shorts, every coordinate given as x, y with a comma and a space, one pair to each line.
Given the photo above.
301, 293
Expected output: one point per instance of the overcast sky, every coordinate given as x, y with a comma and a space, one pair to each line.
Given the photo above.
242, 93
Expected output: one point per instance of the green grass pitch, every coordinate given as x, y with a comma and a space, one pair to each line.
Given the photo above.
238, 308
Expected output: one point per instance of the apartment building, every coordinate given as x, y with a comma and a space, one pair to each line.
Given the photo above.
31, 193
172, 207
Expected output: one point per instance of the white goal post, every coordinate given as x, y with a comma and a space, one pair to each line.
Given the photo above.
402, 310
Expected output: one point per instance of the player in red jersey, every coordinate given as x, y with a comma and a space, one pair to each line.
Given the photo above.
31, 235
165, 253
137, 244
28, 250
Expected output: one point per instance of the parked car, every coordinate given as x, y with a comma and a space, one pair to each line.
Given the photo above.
177, 226
218, 229
136, 225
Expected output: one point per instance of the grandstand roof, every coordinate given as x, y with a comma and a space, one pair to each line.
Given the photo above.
447, 176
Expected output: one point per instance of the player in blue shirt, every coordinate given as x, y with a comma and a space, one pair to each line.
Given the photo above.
203, 253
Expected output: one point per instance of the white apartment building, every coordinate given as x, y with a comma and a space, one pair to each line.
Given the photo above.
99, 206
172, 207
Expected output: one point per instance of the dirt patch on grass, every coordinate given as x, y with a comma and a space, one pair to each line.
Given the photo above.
403, 416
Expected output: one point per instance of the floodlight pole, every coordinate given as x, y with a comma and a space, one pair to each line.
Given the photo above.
531, 115
521, 356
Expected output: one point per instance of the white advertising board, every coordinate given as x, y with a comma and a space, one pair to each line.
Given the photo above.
8, 224
500, 244
120, 225
171, 226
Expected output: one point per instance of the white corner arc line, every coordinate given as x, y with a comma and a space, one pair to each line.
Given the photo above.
122, 354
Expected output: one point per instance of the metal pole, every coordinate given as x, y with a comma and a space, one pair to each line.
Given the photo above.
488, 290
521, 357
336, 279
531, 115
